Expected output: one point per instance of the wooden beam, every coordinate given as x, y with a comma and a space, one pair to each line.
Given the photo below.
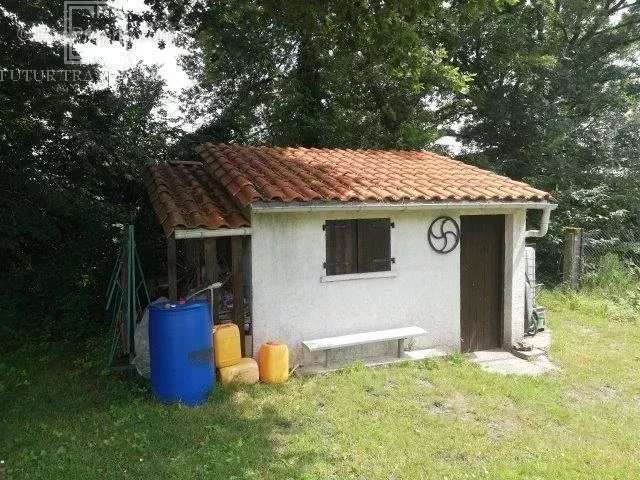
238, 286
172, 274
204, 233
211, 270
198, 253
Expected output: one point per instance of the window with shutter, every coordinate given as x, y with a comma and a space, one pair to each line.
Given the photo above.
374, 245
358, 246
342, 254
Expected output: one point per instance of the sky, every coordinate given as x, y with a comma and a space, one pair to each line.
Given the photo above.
114, 57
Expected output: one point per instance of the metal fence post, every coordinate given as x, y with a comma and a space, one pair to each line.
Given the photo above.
572, 256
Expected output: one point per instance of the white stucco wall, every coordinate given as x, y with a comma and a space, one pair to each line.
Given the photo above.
292, 303
515, 264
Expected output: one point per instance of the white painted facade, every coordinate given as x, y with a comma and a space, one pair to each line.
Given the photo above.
293, 300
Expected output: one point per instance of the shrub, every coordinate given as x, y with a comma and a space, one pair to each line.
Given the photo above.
612, 274
611, 291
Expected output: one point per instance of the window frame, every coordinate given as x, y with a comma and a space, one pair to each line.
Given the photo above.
358, 259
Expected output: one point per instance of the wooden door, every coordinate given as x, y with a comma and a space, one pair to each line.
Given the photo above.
481, 281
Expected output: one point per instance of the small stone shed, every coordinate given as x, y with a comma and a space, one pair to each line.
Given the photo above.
327, 242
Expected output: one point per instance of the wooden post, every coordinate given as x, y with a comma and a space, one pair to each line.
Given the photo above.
193, 252
211, 272
572, 260
238, 287
172, 274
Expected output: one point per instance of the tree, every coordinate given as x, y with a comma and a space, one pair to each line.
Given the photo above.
71, 155
322, 73
553, 100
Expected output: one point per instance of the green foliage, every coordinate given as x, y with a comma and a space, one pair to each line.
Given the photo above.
456, 358
612, 275
72, 153
554, 101
334, 73
611, 292
614, 286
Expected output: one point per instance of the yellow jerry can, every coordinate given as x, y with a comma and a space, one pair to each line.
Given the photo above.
226, 345
245, 371
273, 360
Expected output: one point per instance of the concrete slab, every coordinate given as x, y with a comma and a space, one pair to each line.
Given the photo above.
500, 361
541, 340
529, 355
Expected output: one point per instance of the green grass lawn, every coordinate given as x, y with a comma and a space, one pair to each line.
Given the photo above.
433, 419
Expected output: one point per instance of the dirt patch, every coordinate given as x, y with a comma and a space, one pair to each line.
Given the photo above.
391, 384
498, 429
575, 398
240, 397
439, 408
423, 382
456, 407
606, 393
586, 331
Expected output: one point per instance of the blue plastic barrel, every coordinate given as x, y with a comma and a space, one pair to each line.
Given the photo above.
181, 352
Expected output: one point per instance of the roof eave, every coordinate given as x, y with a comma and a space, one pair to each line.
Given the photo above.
191, 233
319, 206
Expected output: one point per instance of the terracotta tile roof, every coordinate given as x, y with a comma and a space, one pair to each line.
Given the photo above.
231, 177
251, 173
185, 195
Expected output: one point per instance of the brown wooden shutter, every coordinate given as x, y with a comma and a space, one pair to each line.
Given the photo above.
374, 245
341, 247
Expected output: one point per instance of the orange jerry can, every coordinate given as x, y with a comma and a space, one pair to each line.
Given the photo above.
273, 362
226, 345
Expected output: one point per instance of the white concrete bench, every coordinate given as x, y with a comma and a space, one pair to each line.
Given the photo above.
330, 344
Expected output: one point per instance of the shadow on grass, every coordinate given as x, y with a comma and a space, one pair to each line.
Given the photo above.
62, 420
